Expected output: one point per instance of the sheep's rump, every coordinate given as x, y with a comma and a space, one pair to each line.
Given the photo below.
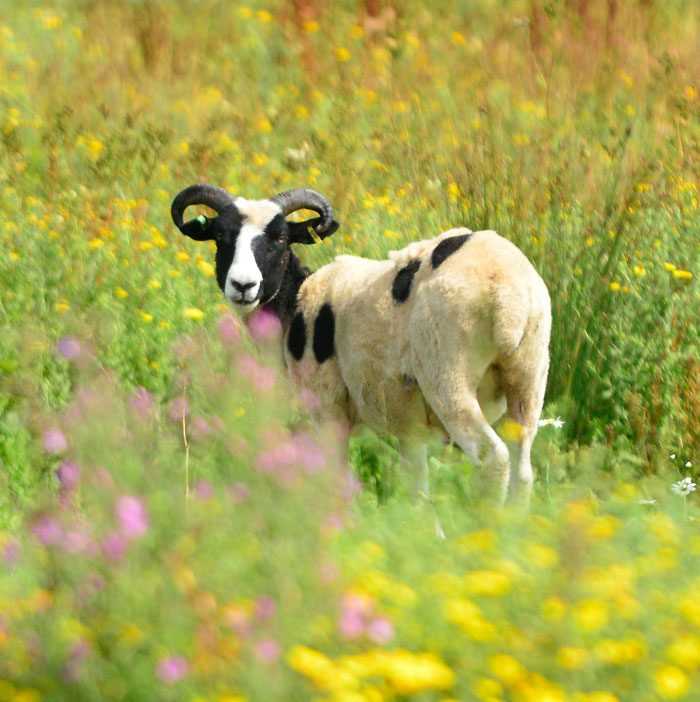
450, 309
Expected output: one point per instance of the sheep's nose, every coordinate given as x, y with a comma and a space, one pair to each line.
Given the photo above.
242, 287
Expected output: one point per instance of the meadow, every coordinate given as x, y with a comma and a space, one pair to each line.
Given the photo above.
172, 527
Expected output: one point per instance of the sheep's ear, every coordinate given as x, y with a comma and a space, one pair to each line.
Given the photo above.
200, 228
305, 232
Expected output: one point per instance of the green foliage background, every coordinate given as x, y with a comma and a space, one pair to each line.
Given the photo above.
572, 129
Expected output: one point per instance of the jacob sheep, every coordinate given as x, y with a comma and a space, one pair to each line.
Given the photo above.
451, 332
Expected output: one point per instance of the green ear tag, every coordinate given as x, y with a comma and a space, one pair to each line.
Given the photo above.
317, 239
202, 222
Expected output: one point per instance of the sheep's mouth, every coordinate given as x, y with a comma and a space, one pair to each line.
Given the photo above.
244, 304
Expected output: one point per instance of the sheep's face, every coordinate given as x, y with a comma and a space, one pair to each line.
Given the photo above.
252, 251
252, 237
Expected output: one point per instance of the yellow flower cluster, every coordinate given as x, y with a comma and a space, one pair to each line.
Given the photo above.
402, 672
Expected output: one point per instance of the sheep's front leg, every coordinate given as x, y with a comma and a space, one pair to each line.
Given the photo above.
413, 460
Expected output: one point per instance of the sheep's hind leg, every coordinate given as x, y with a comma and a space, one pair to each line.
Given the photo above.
413, 459
462, 417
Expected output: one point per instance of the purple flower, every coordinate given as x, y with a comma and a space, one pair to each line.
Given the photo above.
47, 529
264, 325
68, 474
380, 630
69, 347
142, 401
54, 441
177, 408
172, 669
114, 546
133, 517
267, 650
229, 329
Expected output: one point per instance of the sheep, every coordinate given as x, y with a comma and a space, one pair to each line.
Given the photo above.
447, 334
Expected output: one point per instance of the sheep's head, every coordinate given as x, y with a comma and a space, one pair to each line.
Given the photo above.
252, 237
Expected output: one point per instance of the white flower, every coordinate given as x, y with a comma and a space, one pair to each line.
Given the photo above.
646, 502
558, 423
683, 487
688, 464
673, 455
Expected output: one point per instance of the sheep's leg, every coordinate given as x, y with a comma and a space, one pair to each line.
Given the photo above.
413, 459
524, 387
463, 419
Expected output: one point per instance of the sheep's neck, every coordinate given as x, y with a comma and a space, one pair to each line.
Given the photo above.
284, 303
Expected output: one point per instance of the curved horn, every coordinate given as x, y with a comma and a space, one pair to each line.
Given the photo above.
200, 194
307, 199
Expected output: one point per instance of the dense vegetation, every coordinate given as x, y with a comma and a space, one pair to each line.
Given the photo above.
173, 528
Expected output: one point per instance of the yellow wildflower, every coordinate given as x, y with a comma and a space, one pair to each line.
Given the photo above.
206, 267
458, 38
342, 54
121, 293
155, 284
614, 286
193, 313
469, 619
263, 16
487, 582
145, 316
506, 668
591, 615
245, 12
639, 270
182, 256
571, 658
311, 26
682, 274
685, 651
671, 682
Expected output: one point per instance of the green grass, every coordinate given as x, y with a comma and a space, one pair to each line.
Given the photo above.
574, 132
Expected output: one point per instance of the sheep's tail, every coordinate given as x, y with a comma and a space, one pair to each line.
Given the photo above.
511, 314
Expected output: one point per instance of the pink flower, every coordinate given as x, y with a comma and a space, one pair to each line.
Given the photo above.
238, 492
172, 669
54, 441
176, 409
264, 325
229, 329
380, 630
200, 429
203, 490
11, 551
48, 530
142, 401
114, 546
68, 474
351, 625
262, 378
69, 347
133, 517
265, 607
267, 650
308, 399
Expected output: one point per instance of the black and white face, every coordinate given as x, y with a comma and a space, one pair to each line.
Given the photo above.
252, 237
252, 251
